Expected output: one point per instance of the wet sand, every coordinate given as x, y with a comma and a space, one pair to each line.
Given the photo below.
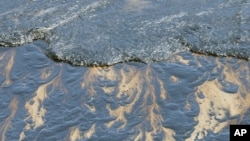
188, 97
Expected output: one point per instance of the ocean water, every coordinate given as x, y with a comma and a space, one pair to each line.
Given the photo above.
123, 69
189, 97
106, 32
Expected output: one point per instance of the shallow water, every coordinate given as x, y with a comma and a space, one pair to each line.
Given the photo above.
107, 32
189, 97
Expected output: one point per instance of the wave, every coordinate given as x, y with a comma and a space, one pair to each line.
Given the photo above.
108, 32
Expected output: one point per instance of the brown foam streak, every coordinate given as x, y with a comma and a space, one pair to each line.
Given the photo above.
2, 55
179, 58
2, 65
169, 133
45, 73
233, 76
163, 94
130, 85
88, 79
8, 67
154, 119
109, 74
13, 106
223, 102
75, 134
90, 132
6, 64
34, 106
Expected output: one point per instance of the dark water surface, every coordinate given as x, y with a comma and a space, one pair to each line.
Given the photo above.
106, 32
145, 81
190, 97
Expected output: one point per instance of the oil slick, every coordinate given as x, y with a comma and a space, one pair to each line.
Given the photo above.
129, 101
9, 58
219, 109
90, 132
13, 106
35, 107
74, 134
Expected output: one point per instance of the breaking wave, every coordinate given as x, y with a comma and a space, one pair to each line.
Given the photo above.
106, 32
